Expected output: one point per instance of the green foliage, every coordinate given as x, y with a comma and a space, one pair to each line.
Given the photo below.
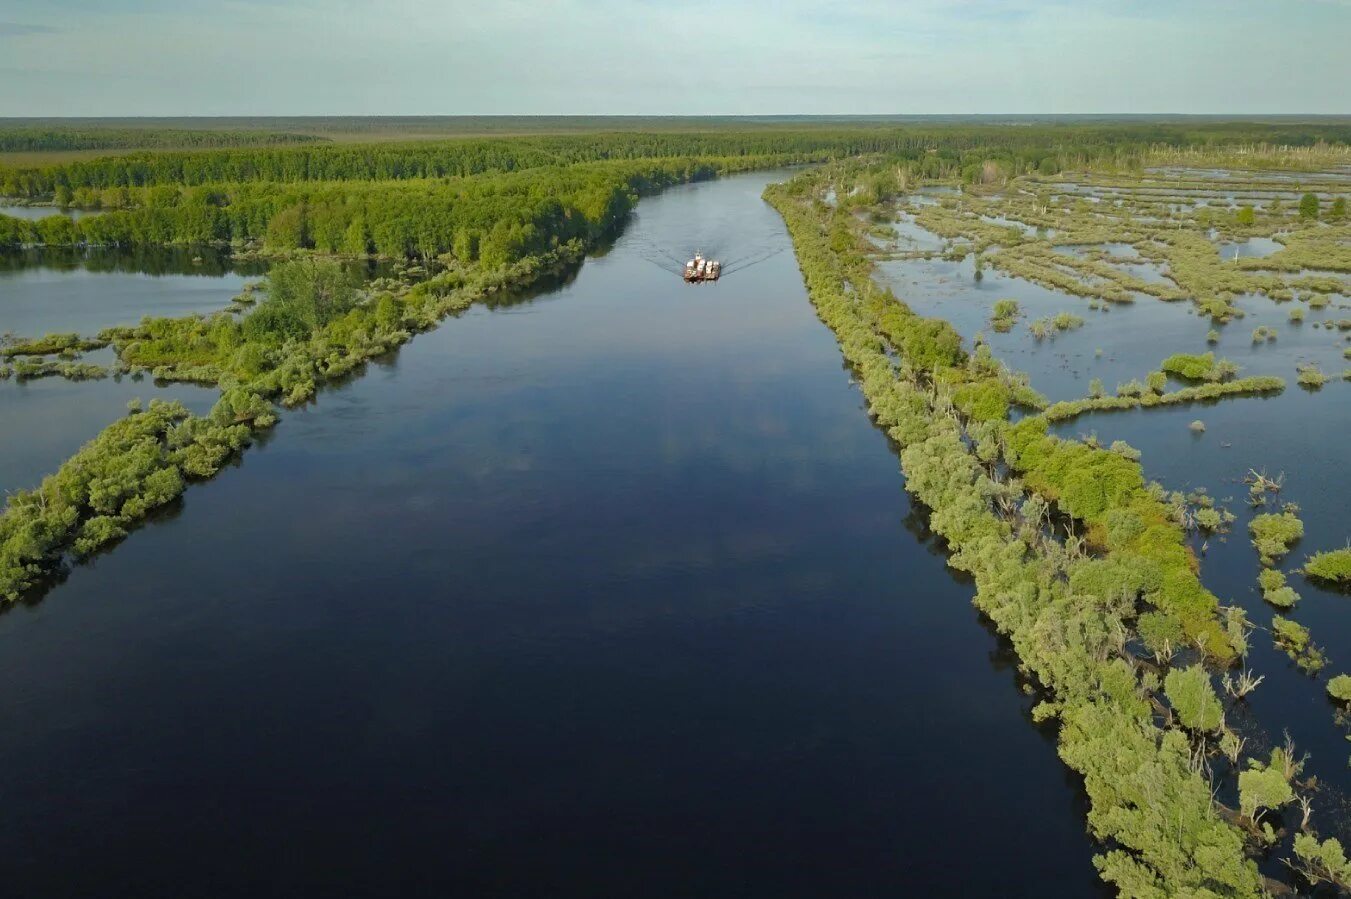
1202, 367
1148, 804
19, 139
1005, 313
1050, 326
1294, 639
313, 292
1323, 862
1193, 698
1275, 590
1339, 688
1209, 519
1130, 396
1333, 566
1064, 615
1311, 376
1308, 206
1274, 533
1263, 787
49, 344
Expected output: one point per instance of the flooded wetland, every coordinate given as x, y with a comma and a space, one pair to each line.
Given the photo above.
413, 522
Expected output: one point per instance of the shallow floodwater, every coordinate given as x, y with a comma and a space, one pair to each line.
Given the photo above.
1118, 343
1251, 248
1303, 436
612, 591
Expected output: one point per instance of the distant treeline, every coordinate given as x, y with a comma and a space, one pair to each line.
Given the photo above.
491, 220
1048, 147
20, 140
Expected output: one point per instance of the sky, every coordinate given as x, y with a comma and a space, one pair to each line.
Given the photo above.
644, 57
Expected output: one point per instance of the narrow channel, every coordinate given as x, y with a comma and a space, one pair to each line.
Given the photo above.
613, 590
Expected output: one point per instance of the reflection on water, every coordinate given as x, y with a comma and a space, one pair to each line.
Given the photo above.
608, 592
34, 213
87, 289
45, 291
1253, 247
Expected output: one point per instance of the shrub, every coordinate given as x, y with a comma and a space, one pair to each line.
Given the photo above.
1191, 367
1294, 639
1005, 312
1308, 206
1275, 590
1197, 426
1274, 533
1339, 688
1310, 375
1209, 519
1333, 566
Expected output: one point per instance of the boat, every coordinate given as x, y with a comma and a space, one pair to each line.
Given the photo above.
701, 269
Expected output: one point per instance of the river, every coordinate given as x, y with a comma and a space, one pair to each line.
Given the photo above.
613, 590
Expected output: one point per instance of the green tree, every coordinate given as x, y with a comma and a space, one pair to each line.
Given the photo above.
1263, 788
1308, 207
1192, 697
356, 242
317, 290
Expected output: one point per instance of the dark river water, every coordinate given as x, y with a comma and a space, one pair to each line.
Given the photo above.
611, 591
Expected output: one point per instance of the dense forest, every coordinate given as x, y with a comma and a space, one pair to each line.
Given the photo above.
494, 218
500, 199
1048, 146
31, 139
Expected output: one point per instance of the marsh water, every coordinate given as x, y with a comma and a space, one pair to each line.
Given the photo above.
609, 590
1301, 435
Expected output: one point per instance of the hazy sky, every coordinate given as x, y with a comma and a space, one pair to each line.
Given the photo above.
408, 57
